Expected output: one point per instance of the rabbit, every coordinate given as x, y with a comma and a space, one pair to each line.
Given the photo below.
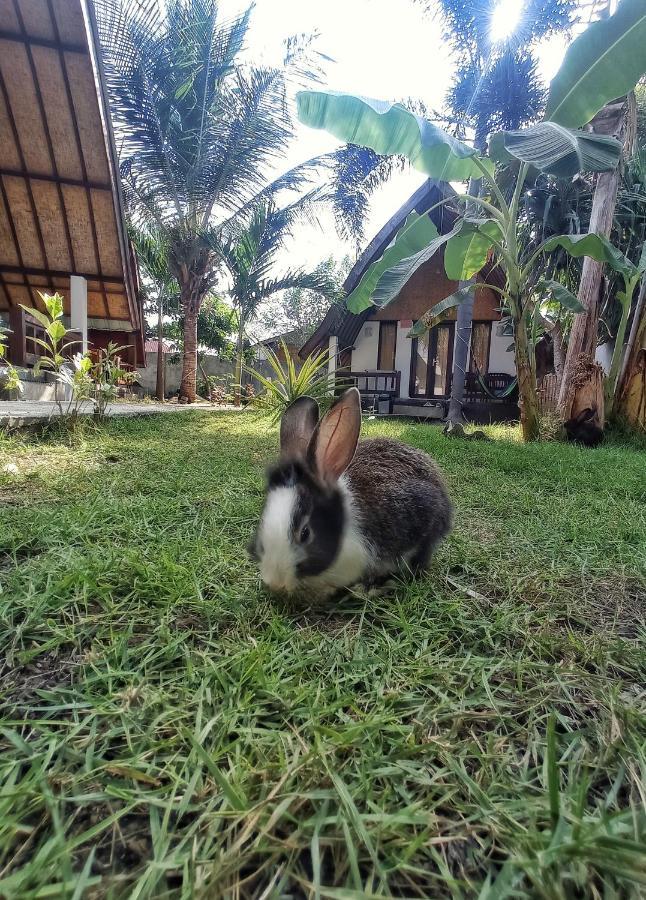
339, 513
585, 429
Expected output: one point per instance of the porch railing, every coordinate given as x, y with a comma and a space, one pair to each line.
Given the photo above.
374, 383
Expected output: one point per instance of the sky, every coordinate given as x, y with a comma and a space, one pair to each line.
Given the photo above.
388, 49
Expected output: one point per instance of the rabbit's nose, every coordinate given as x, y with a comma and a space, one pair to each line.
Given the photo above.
275, 587
277, 582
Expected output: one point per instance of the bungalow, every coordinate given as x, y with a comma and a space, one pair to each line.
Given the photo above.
61, 212
412, 376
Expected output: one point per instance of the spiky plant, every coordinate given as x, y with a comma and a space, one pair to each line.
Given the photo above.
288, 383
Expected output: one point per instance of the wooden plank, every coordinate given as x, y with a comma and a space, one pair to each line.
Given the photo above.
34, 20
64, 46
54, 179
53, 273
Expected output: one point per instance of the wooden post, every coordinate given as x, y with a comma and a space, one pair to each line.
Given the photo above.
333, 350
78, 308
17, 337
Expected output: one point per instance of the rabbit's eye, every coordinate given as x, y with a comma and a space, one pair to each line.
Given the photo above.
304, 534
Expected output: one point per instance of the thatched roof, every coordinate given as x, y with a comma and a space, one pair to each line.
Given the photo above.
347, 325
339, 320
60, 203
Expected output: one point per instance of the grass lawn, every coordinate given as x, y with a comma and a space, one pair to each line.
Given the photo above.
169, 730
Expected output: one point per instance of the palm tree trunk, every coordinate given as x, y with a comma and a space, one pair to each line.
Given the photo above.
464, 326
191, 301
161, 361
188, 387
237, 384
528, 398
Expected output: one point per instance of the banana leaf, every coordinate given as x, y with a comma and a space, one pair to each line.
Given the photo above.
605, 62
389, 129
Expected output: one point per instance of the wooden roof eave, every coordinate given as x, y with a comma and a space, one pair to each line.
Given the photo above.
92, 31
61, 209
339, 320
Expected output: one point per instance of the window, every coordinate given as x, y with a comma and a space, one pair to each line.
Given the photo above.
387, 346
480, 345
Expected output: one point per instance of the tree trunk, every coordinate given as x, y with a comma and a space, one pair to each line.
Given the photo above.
192, 290
583, 337
558, 346
618, 119
161, 360
528, 398
188, 387
237, 378
463, 328
631, 390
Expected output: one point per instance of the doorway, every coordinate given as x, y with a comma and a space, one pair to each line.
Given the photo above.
432, 362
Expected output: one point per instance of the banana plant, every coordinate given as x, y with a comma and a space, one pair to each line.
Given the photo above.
600, 249
595, 70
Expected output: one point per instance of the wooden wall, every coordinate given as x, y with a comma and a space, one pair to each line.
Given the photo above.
428, 286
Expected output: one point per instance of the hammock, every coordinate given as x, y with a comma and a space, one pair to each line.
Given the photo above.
495, 395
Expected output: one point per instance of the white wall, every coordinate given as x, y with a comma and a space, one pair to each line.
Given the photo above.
500, 359
603, 355
366, 348
366, 352
148, 375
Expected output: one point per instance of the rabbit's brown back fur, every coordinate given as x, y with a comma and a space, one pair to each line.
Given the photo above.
400, 493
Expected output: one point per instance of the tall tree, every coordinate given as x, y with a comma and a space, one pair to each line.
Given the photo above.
620, 120
160, 285
496, 87
200, 131
301, 309
252, 259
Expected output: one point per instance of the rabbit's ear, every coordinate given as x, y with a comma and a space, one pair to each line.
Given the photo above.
335, 440
297, 427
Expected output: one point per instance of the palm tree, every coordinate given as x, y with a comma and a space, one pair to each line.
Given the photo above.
496, 87
199, 132
251, 258
152, 254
